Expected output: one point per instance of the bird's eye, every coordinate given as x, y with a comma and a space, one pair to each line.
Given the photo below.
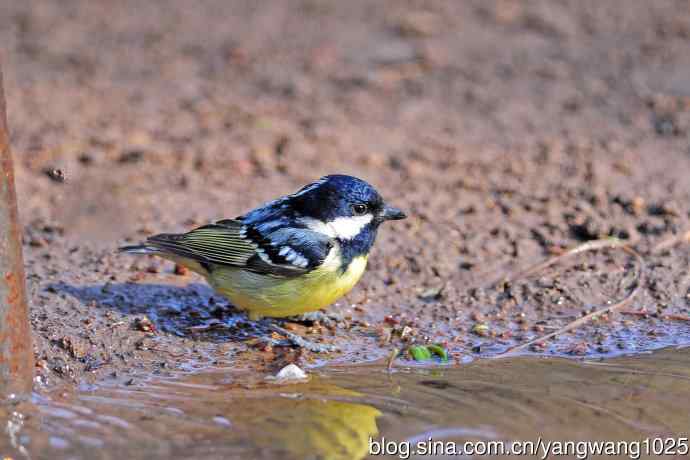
359, 209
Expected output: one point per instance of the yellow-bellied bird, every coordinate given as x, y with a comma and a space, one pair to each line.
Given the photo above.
293, 255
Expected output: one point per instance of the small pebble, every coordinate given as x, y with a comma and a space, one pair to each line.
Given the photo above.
290, 372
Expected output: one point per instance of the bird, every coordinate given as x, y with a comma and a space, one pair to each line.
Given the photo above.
296, 254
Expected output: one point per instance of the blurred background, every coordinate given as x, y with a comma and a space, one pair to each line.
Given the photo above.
161, 112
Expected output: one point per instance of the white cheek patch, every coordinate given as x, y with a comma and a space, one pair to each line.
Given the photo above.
344, 228
348, 227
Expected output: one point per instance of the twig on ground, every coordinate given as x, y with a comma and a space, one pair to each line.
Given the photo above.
584, 247
589, 246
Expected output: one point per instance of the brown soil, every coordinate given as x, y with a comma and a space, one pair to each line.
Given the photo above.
507, 130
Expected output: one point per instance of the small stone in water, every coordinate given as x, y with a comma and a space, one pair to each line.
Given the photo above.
291, 372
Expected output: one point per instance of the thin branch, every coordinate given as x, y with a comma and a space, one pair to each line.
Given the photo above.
593, 245
589, 246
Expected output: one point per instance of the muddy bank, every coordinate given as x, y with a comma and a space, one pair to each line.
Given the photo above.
508, 132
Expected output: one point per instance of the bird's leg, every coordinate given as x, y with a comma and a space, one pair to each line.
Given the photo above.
314, 317
300, 341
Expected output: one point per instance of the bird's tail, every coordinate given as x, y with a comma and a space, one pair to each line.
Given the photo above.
139, 249
171, 253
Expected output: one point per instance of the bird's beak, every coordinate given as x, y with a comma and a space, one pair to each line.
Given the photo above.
391, 213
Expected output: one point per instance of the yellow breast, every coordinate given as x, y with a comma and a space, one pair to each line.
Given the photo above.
263, 295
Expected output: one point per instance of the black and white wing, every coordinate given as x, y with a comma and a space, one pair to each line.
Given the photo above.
268, 248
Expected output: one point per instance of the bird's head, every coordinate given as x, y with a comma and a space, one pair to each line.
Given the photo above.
345, 205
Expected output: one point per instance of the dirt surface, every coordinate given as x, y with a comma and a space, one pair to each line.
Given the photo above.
508, 131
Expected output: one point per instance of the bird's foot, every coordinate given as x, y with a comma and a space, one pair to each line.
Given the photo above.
317, 316
301, 342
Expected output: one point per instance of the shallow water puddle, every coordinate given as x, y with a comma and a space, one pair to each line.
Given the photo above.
221, 414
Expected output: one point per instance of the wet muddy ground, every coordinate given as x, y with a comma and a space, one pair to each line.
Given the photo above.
509, 131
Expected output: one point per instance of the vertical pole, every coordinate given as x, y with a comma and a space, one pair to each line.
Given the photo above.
16, 353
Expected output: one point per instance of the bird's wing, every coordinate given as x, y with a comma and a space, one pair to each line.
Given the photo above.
213, 243
281, 251
296, 249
